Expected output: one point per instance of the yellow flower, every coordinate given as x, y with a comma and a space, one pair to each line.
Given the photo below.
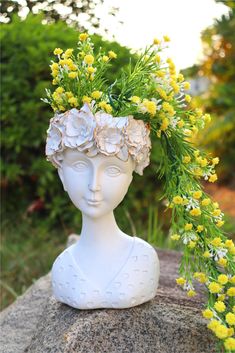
201, 277
59, 90
181, 281
112, 55
186, 85
230, 319
68, 53
195, 212
220, 223
86, 99
54, 82
83, 37
166, 39
176, 88
178, 200
200, 228
180, 123
228, 243
89, 59
203, 162
231, 292
213, 178
188, 98
232, 250
186, 159
213, 324
221, 331
156, 41
162, 93
107, 107
96, 94
157, 59
197, 194
206, 254
58, 51
188, 226
165, 123
191, 293
55, 73
69, 94
62, 108
214, 287
55, 66
206, 202
216, 241
232, 280
221, 297
168, 108
175, 237
229, 343
73, 74
62, 62
180, 78
135, 99
192, 244
73, 101
219, 306
216, 212
207, 314
222, 262
150, 106
215, 161
207, 118
105, 58
91, 70
198, 172
222, 279
192, 119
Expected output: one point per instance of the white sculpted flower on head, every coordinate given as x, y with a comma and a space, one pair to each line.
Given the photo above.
79, 129
99, 133
109, 135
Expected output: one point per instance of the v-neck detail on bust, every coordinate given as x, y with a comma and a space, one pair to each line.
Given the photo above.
96, 286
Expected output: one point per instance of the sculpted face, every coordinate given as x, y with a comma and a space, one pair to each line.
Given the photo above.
96, 185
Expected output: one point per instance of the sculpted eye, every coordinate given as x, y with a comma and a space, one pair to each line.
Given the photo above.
113, 171
79, 166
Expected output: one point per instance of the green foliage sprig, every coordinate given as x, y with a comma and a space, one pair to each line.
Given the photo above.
152, 91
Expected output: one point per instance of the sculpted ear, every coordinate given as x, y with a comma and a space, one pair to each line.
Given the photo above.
61, 175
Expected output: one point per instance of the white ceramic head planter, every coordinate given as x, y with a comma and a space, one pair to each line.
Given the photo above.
96, 156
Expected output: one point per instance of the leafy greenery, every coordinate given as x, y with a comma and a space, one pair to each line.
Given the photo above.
70, 11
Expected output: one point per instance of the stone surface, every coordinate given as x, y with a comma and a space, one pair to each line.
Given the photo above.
170, 323
19, 321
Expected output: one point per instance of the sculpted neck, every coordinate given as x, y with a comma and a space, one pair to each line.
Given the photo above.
100, 233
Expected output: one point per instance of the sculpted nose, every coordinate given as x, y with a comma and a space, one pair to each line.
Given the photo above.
94, 183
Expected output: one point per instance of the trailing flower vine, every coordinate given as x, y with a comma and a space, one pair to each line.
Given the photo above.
154, 92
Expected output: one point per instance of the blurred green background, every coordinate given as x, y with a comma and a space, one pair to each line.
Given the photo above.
36, 214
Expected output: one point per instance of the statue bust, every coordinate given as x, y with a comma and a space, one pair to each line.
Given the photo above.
106, 268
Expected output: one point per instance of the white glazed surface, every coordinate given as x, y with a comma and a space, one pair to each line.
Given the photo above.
133, 283
106, 268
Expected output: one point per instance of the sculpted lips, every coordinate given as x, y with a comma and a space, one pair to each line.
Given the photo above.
93, 202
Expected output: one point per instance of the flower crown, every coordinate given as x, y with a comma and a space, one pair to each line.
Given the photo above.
154, 94
98, 133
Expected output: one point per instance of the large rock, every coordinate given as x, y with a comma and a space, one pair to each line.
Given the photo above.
170, 323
